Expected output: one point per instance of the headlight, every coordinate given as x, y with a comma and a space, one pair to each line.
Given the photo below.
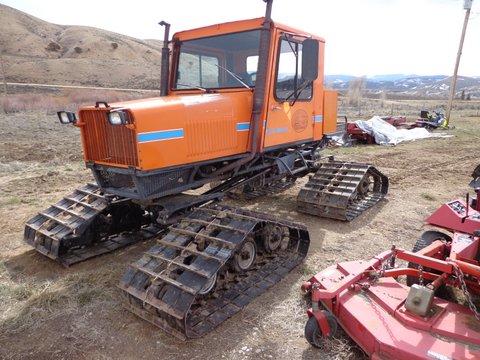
118, 117
67, 117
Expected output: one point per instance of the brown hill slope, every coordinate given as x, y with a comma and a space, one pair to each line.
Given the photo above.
37, 51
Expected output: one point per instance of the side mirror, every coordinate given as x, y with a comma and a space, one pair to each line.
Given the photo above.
310, 60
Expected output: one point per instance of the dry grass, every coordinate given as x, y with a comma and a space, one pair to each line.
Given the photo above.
64, 99
26, 303
50, 312
366, 108
429, 197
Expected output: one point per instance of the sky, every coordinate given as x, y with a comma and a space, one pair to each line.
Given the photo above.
363, 37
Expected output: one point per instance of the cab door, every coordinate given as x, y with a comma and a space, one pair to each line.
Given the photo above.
290, 106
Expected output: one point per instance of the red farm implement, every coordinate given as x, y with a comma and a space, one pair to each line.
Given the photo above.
357, 134
431, 315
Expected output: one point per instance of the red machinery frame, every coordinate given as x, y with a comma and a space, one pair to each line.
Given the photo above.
369, 302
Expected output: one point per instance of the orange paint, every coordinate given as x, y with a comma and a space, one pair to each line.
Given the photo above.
190, 126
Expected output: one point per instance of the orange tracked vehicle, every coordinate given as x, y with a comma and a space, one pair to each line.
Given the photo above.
243, 109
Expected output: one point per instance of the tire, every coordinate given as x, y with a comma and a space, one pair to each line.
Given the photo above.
427, 238
313, 333
476, 172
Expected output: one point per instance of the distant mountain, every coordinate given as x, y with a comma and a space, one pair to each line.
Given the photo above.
409, 85
389, 77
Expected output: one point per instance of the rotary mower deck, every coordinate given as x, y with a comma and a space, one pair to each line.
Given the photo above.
433, 315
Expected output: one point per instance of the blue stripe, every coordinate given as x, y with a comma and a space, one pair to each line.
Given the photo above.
160, 135
243, 126
279, 130
318, 118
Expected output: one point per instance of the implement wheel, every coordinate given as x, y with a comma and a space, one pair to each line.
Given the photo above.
314, 334
427, 238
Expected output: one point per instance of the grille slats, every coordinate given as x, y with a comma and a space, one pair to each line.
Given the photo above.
113, 144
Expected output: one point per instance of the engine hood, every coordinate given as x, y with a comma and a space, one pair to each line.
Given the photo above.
171, 130
174, 111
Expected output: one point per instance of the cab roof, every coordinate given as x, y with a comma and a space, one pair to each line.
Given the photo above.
237, 26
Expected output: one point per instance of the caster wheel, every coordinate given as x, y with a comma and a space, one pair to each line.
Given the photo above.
314, 334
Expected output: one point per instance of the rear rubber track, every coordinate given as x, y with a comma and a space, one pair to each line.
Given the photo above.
342, 190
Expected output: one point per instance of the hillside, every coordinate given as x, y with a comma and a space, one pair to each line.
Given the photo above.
36, 51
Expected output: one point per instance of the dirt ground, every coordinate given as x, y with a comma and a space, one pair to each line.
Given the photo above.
49, 312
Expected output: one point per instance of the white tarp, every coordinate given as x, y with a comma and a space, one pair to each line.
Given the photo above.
386, 134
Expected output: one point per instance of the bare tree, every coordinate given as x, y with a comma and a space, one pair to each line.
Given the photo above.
383, 98
355, 92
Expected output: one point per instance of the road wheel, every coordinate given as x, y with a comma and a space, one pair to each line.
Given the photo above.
209, 285
245, 257
273, 236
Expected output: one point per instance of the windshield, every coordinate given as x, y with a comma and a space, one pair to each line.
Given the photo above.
224, 61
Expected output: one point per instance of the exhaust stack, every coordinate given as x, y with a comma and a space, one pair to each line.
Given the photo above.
165, 60
261, 82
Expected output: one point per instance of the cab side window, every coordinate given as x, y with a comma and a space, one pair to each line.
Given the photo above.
289, 83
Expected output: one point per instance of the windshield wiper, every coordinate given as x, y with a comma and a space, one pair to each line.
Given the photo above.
235, 76
189, 86
297, 92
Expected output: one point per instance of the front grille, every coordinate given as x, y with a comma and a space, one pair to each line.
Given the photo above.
113, 144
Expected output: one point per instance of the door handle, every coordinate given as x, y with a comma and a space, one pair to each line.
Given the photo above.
275, 108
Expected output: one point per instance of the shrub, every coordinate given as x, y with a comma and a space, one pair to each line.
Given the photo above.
53, 46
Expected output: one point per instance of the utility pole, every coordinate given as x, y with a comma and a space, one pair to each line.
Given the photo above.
4, 75
468, 7
3, 102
